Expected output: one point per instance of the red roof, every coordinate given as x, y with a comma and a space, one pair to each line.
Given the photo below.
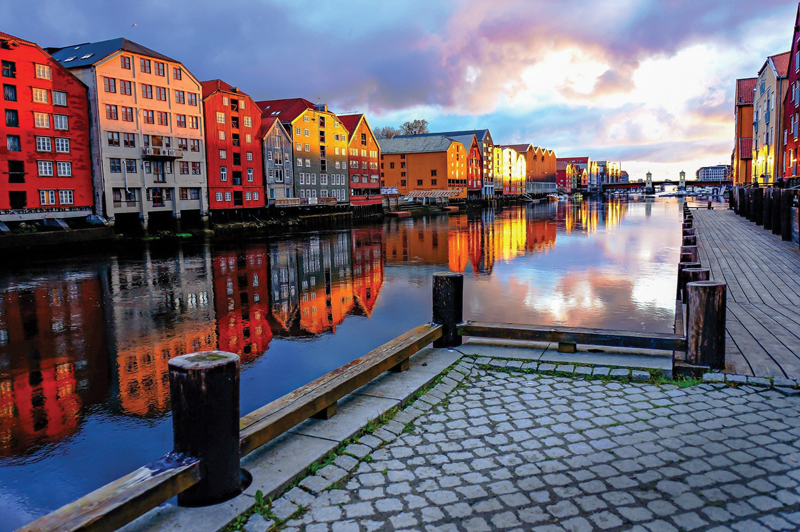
7, 37
745, 91
350, 122
285, 110
266, 125
745, 148
215, 85
781, 62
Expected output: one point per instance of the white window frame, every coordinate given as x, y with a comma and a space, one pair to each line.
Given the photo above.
64, 168
44, 144
219, 196
43, 71
61, 122
41, 120
60, 98
223, 173
223, 154
227, 196
47, 197
250, 175
62, 145
40, 96
220, 117
45, 168
66, 197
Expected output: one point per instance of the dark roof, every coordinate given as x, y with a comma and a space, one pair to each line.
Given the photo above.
81, 55
519, 148
268, 123
285, 110
415, 144
480, 133
213, 85
745, 90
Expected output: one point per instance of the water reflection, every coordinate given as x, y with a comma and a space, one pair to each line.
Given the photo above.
82, 343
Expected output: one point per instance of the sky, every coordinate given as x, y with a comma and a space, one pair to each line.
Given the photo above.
648, 83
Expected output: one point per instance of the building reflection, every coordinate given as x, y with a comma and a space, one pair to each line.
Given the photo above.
368, 269
53, 358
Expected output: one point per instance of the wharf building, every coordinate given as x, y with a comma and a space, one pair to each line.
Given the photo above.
320, 148
770, 91
587, 169
428, 166
720, 172
513, 171
791, 108
608, 172
742, 157
148, 146
277, 157
364, 155
233, 149
540, 168
45, 160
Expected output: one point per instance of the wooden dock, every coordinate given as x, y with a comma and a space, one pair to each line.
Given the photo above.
763, 277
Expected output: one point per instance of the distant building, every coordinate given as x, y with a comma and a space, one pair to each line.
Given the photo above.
566, 176
539, 176
588, 171
770, 91
148, 144
427, 163
608, 172
364, 155
742, 159
720, 172
44, 155
513, 171
623, 177
791, 106
233, 148
278, 161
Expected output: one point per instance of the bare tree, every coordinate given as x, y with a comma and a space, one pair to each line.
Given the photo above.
386, 132
414, 127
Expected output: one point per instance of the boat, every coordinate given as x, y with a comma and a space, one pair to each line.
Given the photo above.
552, 197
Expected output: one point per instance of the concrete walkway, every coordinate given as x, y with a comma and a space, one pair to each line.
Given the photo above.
502, 450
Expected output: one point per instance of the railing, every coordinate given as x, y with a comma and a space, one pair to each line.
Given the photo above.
209, 438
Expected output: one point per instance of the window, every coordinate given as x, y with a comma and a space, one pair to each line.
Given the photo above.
61, 122
250, 175
163, 119
47, 197
64, 169
227, 196
45, 168
223, 173
223, 154
308, 163
248, 196
144, 65
433, 182
180, 120
125, 62
195, 145
433, 173
221, 135
194, 122
161, 94
219, 196
9, 69
62, 145
44, 144
248, 121
299, 161
42, 71
249, 156
149, 117
65, 197
177, 73
196, 168
39, 120
419, 182
13, 142
109, 84
130, 166
127, 114
147, 91
159, 68
237, 158
298, 146
306, 133
111, 112
180, 96
10, 93
40, 96
255, 196
60, 98
192, 98
391, 165
297, 131
113, 138
12, 118
115, 165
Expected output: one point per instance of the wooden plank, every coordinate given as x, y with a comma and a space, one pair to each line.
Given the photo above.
272, 420
761, 351
120, 502
575, 335
735, 362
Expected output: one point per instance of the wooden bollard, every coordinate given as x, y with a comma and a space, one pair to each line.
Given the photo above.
682, 266
692, 251
767, 218
688, 224
688, 231
690, 240
732, 200
776, 211
705, 320
786, 214
740, 201
690, 275
758, 206
204, 390
750, 210
686, 256
448, 306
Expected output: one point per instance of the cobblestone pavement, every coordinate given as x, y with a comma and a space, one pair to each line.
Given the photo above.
510, 451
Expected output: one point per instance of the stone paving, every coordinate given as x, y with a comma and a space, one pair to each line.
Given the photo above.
501, 450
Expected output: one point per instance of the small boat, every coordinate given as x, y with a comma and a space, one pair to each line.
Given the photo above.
552, 197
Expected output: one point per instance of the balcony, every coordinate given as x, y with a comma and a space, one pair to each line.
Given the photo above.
161, 153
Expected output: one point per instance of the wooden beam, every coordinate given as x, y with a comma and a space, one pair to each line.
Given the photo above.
120, 502
574, 335
272, 420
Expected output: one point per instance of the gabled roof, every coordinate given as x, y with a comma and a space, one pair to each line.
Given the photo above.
85, 54
520, 148
268, 123
745, 91
480, 133
351, 121
11, 39
285, 110
415, 144
781, 62
213, 85
8, 37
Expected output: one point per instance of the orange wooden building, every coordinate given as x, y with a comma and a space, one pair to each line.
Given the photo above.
433, 164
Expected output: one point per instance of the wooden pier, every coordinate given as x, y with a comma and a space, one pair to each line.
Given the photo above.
762, 272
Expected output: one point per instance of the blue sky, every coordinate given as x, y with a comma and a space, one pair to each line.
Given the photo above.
647, 83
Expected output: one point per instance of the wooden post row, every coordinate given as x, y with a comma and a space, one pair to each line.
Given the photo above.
690, 275
776, 211
705, 323
682, 266
448, 306
758, 206
741, 203
767, 218
204, 390
786, 214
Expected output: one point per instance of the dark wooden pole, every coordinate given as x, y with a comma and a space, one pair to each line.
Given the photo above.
742, 203
686, 256
732, 200
750, 210
758, 206
691, 275
786, 214
692, 251
688, 231
448, 306
776, 211
690, 240
682, 266
705, 320
204, 389
688, 224
768, 208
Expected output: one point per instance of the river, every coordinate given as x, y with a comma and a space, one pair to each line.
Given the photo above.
84, 341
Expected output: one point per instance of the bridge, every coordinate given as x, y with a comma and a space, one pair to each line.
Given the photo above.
642, 184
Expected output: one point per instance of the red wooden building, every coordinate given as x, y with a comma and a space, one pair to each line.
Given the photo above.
474, 169
45, 158
363, 155
233, 148
791, 107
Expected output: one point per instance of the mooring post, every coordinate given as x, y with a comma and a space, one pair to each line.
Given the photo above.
682, 266
758, 206
204, 390
688, 231
705, 320
786, 214
776, 211
688, 224
690, 275
750, 205
740, 203
448, 306
732, 200
690, 240
767, 218
692, 250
